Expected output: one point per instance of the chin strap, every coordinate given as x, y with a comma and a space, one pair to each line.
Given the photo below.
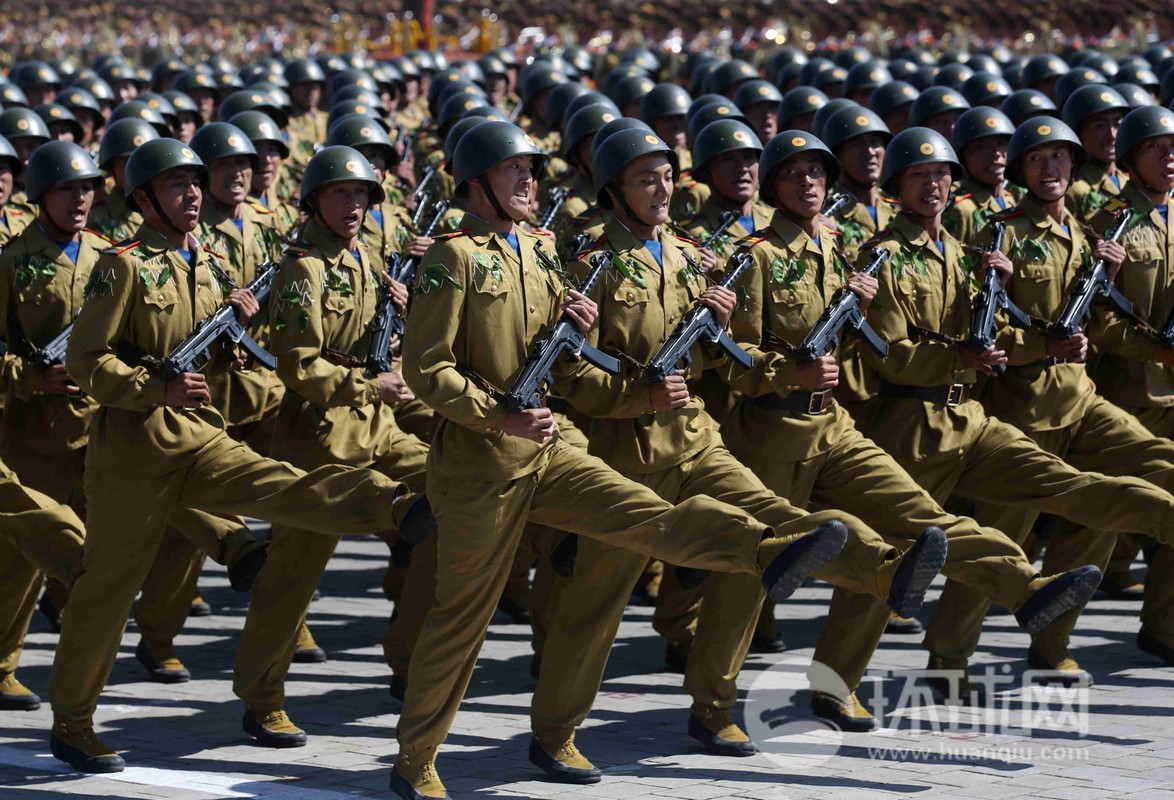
497, 207
150, 190
628, 210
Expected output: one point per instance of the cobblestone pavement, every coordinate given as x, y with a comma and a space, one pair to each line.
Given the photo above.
184, 742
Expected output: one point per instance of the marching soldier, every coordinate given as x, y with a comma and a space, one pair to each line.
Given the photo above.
1095, 113
980, 139
113, 217
13, 218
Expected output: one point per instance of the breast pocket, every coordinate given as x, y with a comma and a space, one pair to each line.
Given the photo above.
338, 304
491, 286
161, 297
630, 295
1035, 273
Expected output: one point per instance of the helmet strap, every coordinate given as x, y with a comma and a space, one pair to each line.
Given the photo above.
619, 196
493, 201
150, 191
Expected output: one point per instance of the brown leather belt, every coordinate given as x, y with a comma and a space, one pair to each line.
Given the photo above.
948, 394
798, 402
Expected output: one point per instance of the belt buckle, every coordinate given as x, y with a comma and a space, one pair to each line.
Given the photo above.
956, 394
816, 402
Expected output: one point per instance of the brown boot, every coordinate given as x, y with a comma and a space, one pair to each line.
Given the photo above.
83, 750
162, 665
1055, 669
15, 696
307, 650
968, 691
562, 761
416, 779
848, 714
272, 727
716, 730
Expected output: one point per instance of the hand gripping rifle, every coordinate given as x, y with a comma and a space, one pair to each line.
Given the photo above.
844, 312
700, 323
533, 382
992, 297
194, 352
1091, 283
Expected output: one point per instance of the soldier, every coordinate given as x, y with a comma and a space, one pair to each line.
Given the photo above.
491, 469
113, 217
265, 191
25, 131
759, 101
980, 139
13, 218
938, 109
578, 137
858, 138
892, 103
1095, 113
157, 447
307, 122
663, 109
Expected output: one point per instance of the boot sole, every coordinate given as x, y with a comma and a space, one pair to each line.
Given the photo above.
929, 554
559, 774
1077, 593
816, 550
401, 787
94, 765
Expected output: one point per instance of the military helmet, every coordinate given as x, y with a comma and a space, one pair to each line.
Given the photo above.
712, 113
722, 136
586, 122
8, 153
812, 68
630, 89
1091, 99
782, 57
953, 76
155, 157
455, 133
1040, 131
888, 98
825, 79
260, 128
58, 162
95, 86
1139, 124
1136, 96
615, 126
357, 131
194, 80
55, 113
850, 122
848, 57
1042, 67
452, 89
34, 73
1024, 104
184, 105
1072, 80
137, 109
23, 123
485, 111
252, 99
1143, 76
700, 102
222, 140
304, 70
334, 164
729, 74
868, 75
936, 100
664, 100
985, 89
122, 138
353, 77
826, 112
618, 151
979, 123
78, 99
589, 99
12, 96
359, 94
785, 145
984, 62
757, 92
699, 76
455, 106
914, 146
346, 108
161, 104
493, 65
487, 145
559, 98
537, 80
799, 101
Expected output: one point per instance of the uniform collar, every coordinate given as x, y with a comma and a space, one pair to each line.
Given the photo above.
154, 240
213, 217
793, 237
918, 236
622, 239
1040, 218
331, 249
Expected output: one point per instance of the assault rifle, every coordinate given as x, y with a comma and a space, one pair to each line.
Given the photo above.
533, 382
1091, 283
844, 312
53, 353
194, 352
558, 198
727, 219
992, 297
699, 323
837, 202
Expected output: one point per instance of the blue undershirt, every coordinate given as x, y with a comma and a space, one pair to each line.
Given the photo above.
1162, 210
240, 224
747, 222
355, 253
376, 215
188, 256
512, 238
655, 248
941, 246
1002, 203
1067, 230
872, 213
70, 249
1116, 179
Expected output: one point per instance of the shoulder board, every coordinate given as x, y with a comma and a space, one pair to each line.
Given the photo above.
16, 211
755, 239
1115, 204
684, 238
213, 253
540, 232
590, 213
100, 235
686, 183
452, 235
875, 240
958, 198
297, 249
891, 200
1008, 213
833, 232
260, 208
123, 246
592, 246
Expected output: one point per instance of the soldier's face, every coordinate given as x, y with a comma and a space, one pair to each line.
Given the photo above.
266, 174
305, 95
498, 84
764, 119
862, 156
377, 158
925, 188
647, 187
125, 90
179, 194
671, 129
735, 174
1047, 171
205, 100
986, 159
342, 206
510, 181
38, 95
24, 146
60, 132
229, 179
187, 126
943, 123
67, 205
1153, 161
898, 118
801, 184
1098, 134
5, 181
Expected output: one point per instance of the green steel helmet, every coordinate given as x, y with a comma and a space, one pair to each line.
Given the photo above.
953, 76
1041, 68
95, 86
1091, 99
454, 136
160, 104
184, 105
978, 123
1072, 80
450, 90
137, 109
228, 82
353, 77
388, 76
221, 140
1143, 76
631, 89
487, 145
153, 158
621, 149
799, 101
699, 76
561, 97
57, 114
825, 113
334, 164
589, 99
260, 128
664, 100
23, 123
58, 162
851, 56
34, 73
8, 153
1139, 124
357, 93
731, 73
345, 108
122, 138
985, 89
586, 122
251, 100
782, 147
757, 92
1024, 104
471, 69
914, 146
826, 80
1134, 95
722, 136
456, 106
538, 79
701, 102
484, 111
11, 95
165, 71
850, 122
492, 65
866, 76
888, 98
304, 70
78, 100
712, 113
1100, 62
615, 126
622, 72
936, 100
195, 80
984, 62
1036, 132
358, 131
